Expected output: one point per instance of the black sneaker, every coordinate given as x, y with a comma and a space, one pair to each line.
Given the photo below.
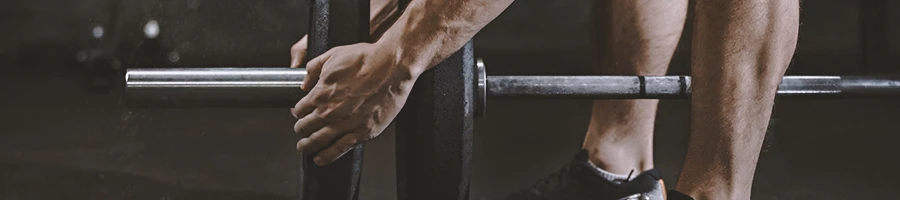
580, 181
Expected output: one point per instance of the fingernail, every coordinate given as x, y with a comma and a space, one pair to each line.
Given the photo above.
293, 62
300, 145
318, 160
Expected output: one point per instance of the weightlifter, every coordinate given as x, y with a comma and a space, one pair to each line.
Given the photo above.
740, 51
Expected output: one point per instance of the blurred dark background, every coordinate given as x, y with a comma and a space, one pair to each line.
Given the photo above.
64, 133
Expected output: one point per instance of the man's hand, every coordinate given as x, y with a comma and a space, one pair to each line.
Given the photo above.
354, 93
356, 90
298, 52
384, 104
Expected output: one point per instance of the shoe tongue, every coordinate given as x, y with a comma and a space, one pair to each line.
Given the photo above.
581, 160
581, 157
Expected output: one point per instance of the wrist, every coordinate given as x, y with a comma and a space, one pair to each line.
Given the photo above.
403, 56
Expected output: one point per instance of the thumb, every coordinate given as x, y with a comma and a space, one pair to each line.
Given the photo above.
298, 52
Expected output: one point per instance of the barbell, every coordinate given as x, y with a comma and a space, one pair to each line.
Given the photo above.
280, 87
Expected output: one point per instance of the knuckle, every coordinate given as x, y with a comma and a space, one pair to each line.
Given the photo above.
326, 115
319, 75
315, 63
300, 131
369, 127
321, 98
346, 146
331, 114
300, 110
307, 102
367, 136
316, 99
312, 142
298, 127
311, 65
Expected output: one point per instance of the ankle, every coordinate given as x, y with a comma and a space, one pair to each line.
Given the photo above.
620, 161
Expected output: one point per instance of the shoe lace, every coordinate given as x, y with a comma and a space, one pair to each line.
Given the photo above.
638, 196
559, 178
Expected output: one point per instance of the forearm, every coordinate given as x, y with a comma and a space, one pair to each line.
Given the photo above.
382, 14
431, 30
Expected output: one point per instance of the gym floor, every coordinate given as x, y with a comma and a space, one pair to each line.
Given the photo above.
60, 140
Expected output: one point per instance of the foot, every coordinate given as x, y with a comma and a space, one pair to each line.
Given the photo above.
580, 180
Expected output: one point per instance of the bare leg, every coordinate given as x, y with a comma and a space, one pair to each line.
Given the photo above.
741, 50
634, 37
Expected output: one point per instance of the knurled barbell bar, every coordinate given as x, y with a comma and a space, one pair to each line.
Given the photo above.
280, 87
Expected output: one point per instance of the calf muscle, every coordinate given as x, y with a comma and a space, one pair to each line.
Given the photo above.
741, 50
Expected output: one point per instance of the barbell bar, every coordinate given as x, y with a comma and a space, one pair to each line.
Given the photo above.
280, 87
